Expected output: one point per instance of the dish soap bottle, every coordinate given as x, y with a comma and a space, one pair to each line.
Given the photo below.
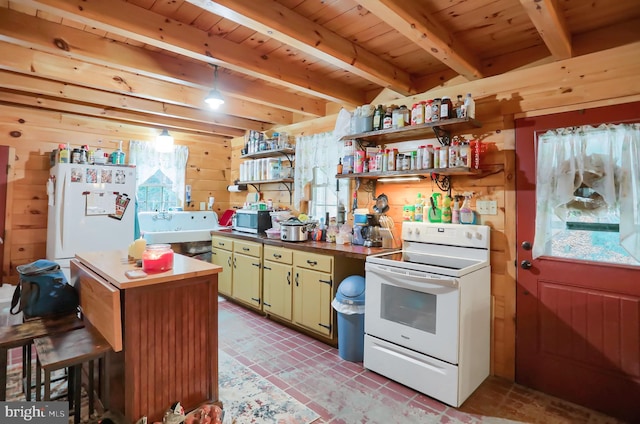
446, 210
455, 211
466, 213
435, 213
419, 212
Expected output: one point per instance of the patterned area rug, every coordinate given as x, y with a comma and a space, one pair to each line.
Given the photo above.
249, 398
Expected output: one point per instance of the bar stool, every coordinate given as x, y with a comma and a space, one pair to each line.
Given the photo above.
72, 350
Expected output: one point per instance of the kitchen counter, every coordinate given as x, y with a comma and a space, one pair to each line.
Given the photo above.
163, 329
347, 250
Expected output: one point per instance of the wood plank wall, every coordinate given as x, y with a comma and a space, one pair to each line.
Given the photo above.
37, 132
610, 77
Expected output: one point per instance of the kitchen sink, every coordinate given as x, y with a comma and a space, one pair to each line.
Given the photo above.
177, 226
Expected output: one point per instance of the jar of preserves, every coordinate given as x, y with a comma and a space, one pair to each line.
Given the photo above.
446, 107
157, 258
405, 117
428, 110
435, 109
417, 114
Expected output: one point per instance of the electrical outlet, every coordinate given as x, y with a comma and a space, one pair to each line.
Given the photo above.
487, 207
203, 206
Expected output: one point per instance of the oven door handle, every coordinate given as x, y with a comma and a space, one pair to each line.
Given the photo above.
414, 280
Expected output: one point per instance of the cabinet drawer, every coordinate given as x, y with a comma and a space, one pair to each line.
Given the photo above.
313, 261
221, 243
278, 254
247, 248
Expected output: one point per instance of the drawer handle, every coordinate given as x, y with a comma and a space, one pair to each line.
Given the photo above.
266, 267
297, 284
329, 282
258, 265
220, 243
328, 327
277, 256
289, 278
246, 249
234, 263
229, 261
256, 299
312, 263
266, 304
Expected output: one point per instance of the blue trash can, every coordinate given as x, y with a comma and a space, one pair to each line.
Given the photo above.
349, 304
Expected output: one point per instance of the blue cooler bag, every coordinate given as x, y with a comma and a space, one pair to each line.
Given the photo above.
43, 291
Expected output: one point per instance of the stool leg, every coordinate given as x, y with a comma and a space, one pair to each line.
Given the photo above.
38, 378
71, 372
90, 387
3, 374
104, 381
28, 372
76, 393
47, 385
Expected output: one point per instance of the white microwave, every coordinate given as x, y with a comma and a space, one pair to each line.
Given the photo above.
251, 221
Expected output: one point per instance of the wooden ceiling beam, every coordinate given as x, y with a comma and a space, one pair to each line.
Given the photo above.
411, 20
234, 113
48, 103
30, 31
551, 25
281, 23
133, 22
69, 92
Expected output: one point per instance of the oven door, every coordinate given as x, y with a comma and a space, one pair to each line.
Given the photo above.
413, 309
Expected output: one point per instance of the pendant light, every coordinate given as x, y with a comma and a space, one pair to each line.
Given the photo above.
214, 99
164, 142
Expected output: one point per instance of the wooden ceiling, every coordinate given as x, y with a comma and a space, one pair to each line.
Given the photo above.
151, 62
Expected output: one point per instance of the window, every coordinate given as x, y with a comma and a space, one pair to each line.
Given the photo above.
315, 169
160, 177
587, 194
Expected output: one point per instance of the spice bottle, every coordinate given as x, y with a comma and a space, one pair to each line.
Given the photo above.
378, 116
387, 120
435, 110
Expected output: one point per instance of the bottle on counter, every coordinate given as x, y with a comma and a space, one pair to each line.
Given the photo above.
446, 210
419, 208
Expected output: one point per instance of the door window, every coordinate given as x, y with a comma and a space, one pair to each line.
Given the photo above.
587, 194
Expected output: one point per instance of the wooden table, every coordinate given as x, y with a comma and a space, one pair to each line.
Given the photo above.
167, 348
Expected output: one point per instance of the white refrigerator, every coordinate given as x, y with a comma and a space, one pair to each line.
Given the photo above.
91, 208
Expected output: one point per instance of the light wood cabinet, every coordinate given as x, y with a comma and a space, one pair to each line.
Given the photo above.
313, 292
277, 279
222, 255
247, 273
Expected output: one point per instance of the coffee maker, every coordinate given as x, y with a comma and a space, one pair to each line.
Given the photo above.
371, 232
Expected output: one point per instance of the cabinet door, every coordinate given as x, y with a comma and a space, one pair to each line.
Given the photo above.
223, 258
276, 282
312, 300
246, 279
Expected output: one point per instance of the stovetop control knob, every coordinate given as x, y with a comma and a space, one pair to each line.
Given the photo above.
468, 234
417, 231
478, 236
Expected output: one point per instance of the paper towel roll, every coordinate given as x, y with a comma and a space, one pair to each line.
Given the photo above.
237, 188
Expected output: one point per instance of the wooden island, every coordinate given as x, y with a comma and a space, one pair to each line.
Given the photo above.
163, 329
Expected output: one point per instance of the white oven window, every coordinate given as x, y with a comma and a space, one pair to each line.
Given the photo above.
409, 308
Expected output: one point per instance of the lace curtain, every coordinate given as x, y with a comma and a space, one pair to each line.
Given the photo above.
315, 151
595, 171
149, 161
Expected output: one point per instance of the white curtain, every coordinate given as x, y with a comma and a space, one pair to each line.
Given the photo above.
315, 151
603, 161
148, 161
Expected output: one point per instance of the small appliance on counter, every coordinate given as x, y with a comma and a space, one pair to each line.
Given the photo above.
251, 221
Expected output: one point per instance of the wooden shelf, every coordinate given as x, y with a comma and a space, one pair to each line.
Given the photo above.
270, 154
414, 172
414, 132
282, 180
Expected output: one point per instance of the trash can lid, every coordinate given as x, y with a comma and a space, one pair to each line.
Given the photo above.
351, 290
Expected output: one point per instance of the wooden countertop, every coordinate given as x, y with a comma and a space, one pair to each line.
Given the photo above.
348, 250
112, 265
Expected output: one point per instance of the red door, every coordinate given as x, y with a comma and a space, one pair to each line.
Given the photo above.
4, 169
578, 322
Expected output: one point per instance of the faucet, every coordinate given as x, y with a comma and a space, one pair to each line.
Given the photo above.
163, 215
